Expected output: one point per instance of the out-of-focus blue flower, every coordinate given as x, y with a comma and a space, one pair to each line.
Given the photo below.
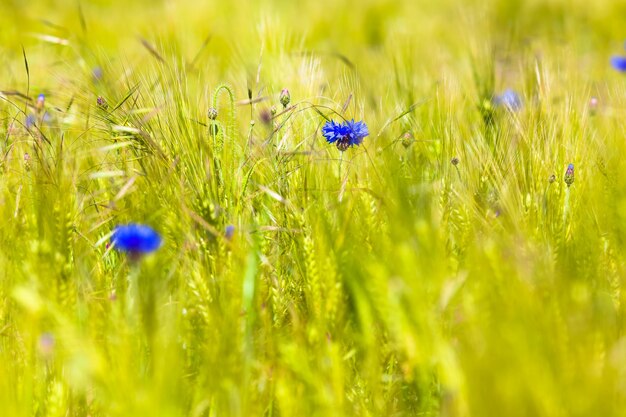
97, 74
41, 101
345, 134
136, 239
230, 232
619, 63
46, 344
509, 99
47, 118
31, 120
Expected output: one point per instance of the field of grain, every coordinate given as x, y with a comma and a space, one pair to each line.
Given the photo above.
336, 208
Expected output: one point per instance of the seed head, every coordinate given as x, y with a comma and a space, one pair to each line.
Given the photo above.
454, 161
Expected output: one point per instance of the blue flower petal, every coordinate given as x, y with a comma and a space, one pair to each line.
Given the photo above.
31, 120
358, 131
97, 73
619, 63
136, 238
334, 131
509, 99
230, 232
347, 133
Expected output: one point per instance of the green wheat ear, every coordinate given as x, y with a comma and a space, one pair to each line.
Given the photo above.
56, 401
311, 268
221, 136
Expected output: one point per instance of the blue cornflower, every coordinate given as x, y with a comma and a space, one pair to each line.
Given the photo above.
47, 118
97, 74
31, 120
509, 99
359, 131
230, 232
41, 100
46, 344
334, 131
619, 63
345, 134
135, 239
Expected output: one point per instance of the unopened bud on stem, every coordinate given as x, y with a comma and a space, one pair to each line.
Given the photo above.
285, 97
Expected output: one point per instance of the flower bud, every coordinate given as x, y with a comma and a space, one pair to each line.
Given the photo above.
41, 101
407, 139
102, 103
266, 116
593, 105
285, 97
46, 344
569, 175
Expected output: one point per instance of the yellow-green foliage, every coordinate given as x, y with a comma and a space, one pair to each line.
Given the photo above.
436, 270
